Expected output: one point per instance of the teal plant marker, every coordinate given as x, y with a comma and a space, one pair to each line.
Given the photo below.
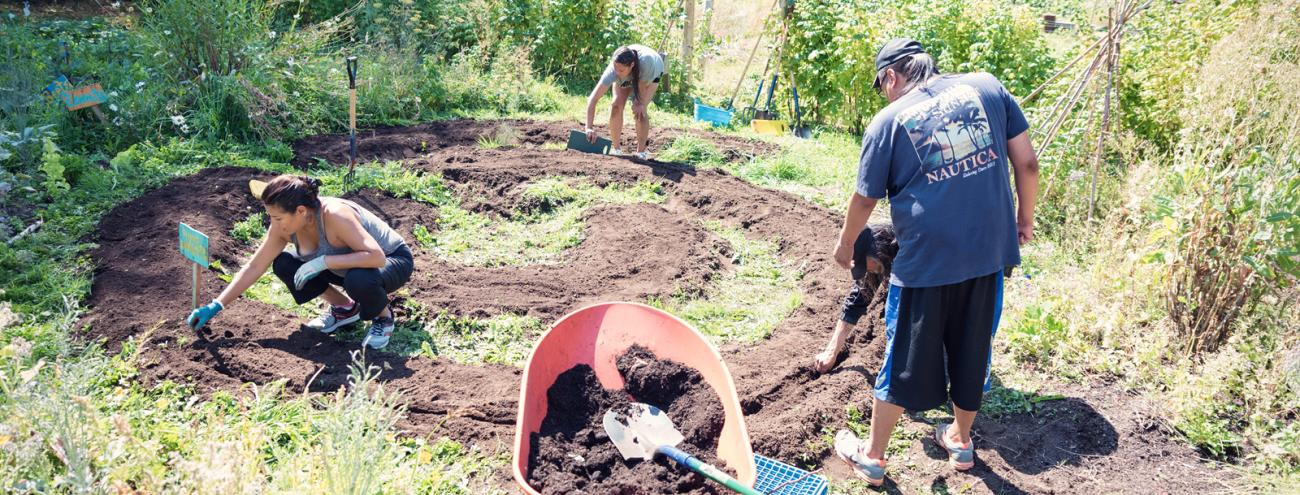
194, 246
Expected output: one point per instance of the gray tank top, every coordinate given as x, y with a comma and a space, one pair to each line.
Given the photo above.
389, 240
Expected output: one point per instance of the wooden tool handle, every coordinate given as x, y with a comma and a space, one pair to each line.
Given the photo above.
352, 109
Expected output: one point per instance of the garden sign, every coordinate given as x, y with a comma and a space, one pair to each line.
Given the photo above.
194, 246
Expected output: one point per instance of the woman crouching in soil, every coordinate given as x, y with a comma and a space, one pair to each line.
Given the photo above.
335, 242
634, 71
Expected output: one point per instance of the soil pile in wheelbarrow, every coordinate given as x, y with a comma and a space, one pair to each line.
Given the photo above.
572, 454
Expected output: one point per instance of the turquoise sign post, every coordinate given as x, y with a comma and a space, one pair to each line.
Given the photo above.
194, 245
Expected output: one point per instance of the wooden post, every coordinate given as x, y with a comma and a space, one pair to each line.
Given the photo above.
1105, 114
196, 285
688, 42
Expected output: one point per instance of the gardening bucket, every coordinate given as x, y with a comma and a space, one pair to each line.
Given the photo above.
596, 335
769, 127
717, 116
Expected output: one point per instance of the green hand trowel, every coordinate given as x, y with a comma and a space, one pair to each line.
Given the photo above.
642, 430
578, 141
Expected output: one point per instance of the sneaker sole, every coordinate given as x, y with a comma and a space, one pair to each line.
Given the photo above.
367, 343
340, 323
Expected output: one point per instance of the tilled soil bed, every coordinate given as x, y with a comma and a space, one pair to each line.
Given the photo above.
572, 454
628, 252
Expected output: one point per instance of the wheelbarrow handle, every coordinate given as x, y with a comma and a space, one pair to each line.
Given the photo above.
695, 464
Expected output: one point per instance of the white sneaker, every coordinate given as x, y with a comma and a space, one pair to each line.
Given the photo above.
380, 331
334, 318
616, 152
641, 155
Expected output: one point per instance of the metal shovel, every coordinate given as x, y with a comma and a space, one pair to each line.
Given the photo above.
642, 430
799, 129
352, 121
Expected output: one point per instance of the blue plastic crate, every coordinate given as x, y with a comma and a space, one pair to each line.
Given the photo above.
716, 116
778, 478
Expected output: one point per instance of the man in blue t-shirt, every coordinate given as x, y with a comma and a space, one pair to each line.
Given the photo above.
942, 152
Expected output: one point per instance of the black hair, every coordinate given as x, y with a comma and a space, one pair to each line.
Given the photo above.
915, 69
288, 192
627, 56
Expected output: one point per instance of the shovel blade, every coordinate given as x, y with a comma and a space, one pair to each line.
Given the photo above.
637, 431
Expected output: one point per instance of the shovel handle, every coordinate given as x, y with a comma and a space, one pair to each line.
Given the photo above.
695, 464
352, 72
352, 94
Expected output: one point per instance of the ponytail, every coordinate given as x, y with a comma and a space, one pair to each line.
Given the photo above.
627, 56
288, 192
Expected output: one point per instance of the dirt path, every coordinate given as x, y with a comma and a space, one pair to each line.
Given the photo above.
629, 253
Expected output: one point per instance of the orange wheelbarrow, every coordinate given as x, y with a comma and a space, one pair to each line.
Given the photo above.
596, 335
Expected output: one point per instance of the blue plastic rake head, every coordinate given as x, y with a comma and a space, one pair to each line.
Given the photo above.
778, 478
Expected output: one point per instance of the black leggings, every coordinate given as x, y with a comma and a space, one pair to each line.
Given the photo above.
369, 287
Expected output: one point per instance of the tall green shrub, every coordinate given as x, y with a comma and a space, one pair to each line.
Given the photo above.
1162, 51
1231, 210
832, 44
196, 38
576, 37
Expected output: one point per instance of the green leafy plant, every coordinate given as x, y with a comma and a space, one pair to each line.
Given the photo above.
52, 167
422, 235
251, 230
692, 150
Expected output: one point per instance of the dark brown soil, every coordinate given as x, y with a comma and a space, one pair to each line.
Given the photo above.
399, 143
628, 253
572, 454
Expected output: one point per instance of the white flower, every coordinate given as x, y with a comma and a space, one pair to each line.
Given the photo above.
178, 120
112, 106
167, 32
139, 85
112, 93
1075, 176
271, 34
290, 61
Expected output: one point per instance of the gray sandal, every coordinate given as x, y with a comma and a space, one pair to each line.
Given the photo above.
960, 457
848, 449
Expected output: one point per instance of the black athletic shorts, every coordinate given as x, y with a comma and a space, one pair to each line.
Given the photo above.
938, 343
628, 83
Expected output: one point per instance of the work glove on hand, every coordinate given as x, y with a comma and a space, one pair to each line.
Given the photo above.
199, 317
307, 271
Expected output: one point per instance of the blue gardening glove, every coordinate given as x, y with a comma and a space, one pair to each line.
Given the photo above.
199, 317
307, 271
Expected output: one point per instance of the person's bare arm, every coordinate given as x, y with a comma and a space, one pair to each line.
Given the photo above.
1024, 164
344, 227
271, 247
859, 211
596, 94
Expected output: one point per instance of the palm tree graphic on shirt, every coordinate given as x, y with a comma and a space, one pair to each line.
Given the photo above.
948, 127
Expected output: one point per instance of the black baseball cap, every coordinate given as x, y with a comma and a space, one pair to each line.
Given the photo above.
893, 51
